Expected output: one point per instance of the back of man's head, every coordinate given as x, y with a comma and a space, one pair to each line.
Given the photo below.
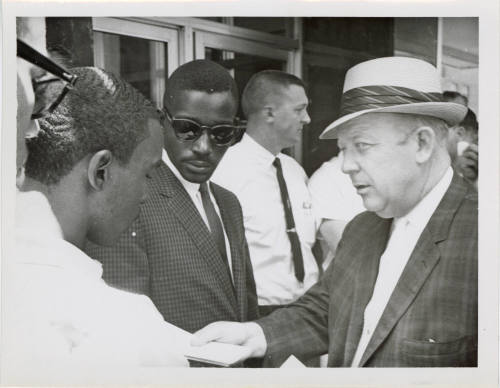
200, 75
101, 112
265, 86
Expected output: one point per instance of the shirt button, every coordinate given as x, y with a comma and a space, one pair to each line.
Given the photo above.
134, 234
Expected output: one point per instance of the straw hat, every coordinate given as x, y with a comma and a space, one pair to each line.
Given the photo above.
394, 85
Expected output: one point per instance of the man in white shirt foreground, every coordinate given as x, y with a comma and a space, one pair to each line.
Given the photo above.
279, 223
402, 289
86, 175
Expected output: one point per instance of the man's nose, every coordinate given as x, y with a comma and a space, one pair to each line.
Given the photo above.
203, 144
306, 119
349, 162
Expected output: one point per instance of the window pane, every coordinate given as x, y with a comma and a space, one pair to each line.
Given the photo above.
217, 19
135, 63
141, 62
277, 26
242, 66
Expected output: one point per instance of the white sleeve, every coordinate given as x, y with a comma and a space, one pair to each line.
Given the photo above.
332, 193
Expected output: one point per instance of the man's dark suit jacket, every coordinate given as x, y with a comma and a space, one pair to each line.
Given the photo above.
169, 255
431, 317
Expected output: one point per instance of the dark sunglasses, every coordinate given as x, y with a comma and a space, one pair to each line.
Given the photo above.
190, 130
29, 54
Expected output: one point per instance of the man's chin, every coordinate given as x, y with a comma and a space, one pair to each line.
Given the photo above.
104, 241
110, 237
375, 208
194, 177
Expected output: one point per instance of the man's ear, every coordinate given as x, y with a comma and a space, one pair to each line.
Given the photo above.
426, 142
98, 170
268, 112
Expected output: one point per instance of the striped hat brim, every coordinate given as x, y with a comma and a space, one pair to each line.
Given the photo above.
450, 112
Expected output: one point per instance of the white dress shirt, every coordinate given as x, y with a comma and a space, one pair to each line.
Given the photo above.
193, 189
62, 323
405, 233
247, 170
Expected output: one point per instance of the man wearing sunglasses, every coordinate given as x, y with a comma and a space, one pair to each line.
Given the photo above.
187, 249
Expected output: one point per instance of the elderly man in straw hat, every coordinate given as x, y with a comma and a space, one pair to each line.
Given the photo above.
402, 289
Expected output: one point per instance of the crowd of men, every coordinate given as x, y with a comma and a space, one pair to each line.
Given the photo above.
130, 220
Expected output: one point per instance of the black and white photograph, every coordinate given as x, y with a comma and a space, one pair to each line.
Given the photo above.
239, 190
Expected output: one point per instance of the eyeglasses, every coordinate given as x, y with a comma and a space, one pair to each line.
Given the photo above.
29, 54
190, 130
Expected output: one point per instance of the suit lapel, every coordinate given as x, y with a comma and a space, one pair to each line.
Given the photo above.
236, 260
181, 205
422, 261
364, 283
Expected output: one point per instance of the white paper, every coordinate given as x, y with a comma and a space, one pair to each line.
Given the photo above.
292, 362
218, 353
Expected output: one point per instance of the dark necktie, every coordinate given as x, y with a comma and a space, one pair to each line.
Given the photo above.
214, 221
298, 262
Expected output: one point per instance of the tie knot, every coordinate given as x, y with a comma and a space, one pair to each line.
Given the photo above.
277, 163
204, 188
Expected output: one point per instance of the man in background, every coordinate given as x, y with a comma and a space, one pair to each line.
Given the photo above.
272, 188
187, 249
456, 97
463, 141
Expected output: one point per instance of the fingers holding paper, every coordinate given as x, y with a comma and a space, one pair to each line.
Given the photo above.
248, 334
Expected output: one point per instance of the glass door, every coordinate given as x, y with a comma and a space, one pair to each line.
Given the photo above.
241, 57
142, 54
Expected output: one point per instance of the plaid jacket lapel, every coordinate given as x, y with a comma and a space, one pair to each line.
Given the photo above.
236, 259
364, 284
185, 211
423, 259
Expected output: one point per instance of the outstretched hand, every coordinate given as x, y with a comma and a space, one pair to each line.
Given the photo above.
249, 334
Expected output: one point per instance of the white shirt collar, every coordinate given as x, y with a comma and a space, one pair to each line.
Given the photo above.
256, 151
191, 188
38, 231
422, 212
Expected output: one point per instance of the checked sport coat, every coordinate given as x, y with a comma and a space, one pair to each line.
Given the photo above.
169, 255
431, 317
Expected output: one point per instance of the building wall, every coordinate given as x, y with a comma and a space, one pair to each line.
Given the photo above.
320, 50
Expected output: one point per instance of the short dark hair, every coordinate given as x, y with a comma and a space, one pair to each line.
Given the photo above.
101, 112
451, 96
200, 75
470, 124
264, 84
